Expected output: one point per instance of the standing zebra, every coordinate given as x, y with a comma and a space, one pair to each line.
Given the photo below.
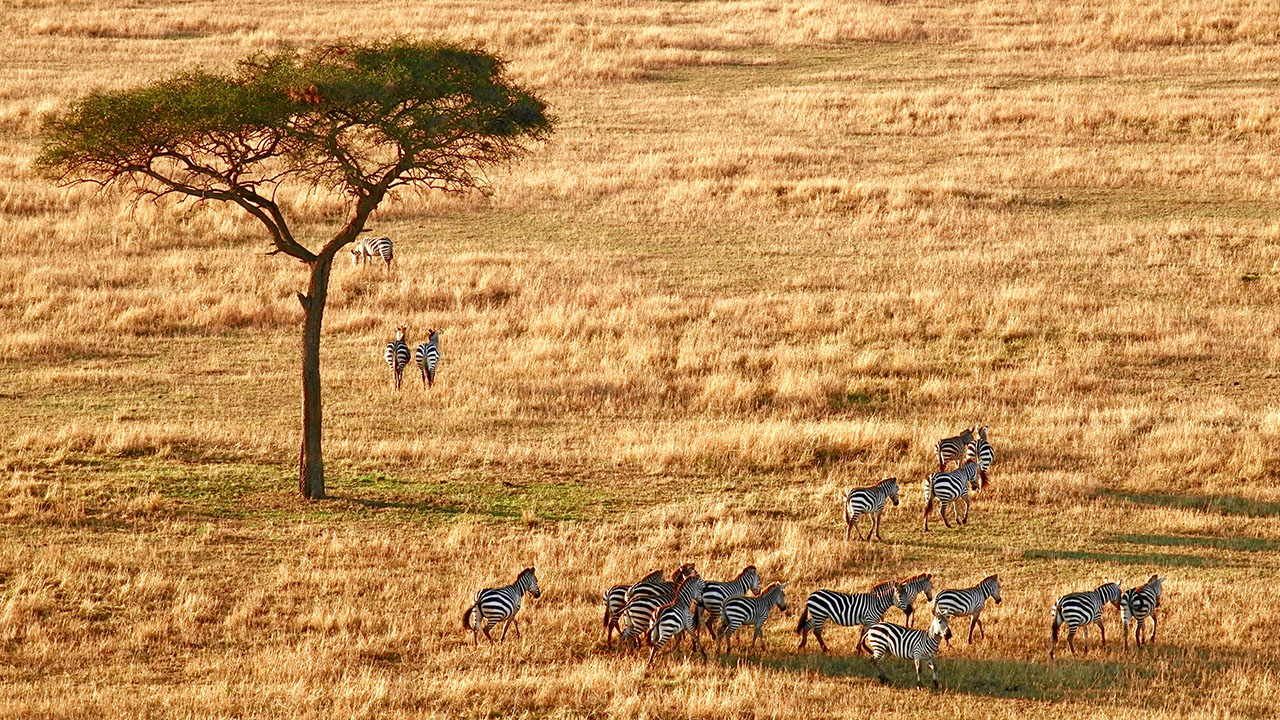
911, 588
715, 593
1078, 610
970, 601
397, 355
675, 618
495, 605
615, 598
979, 451
371, 248
868, 501
915, 645
741, 610
428, 356
950, 487
1138, 604
846, 609
952, 447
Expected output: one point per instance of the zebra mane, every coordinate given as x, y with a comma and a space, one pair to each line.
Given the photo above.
989, 578
745, 570
916, 578
773, 587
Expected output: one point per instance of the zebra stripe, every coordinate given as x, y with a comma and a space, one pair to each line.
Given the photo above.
846, 609
953, 447
1138, 604
614, 600
916, 645
673, 620
495, 605
378, 247
741, 610
397, 356
644, 598
868, 501
968, 602
950, 487
1078, 610
715, 593
428, 356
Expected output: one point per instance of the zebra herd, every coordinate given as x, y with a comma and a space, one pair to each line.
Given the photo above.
659, 610
663, 611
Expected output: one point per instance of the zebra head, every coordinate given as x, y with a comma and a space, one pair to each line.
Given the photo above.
530, 582
684, 571
1110, 593
433, 334
775, 593
890, 486
992, 585
752, 577
401, 332
355, 253
939, 628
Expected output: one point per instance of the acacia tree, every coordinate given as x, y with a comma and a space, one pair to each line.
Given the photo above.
363, 120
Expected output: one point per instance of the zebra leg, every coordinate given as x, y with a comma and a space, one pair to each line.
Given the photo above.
1102, 629
516, 621
945, 505
1153, 625
861, 636
977, 619
759, 633
928, 508
966, 511
817, 633
1137, 631
487, 627
933, 672
1071, 636
848, 526
972, 622
1053, 638
878, 516
876, 658
505, 627
919, 684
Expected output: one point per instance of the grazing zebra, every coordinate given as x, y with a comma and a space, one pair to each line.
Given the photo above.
615, 598
675, 618
911, 589
643, 599
397, 355
428, 356
952, 447
915, 645
715, 593
950, 487
741, 610
371, 248
970, 601
979, 451
1078, 610
847, 609
494, 605
1138, 604
868, 501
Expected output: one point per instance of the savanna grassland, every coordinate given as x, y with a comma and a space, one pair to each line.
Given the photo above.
774, 249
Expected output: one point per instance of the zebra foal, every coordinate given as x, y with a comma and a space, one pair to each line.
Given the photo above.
495, 605
953, 447
741, 610
715, 593
868, 501
369, 248
1079, 610
915, 645
1137, 604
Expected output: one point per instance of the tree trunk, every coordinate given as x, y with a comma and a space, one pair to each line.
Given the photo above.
310, 462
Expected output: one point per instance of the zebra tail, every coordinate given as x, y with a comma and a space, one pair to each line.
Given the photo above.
862, 643
804, 621
466, 618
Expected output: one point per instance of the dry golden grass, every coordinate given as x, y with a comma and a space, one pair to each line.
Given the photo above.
774, 249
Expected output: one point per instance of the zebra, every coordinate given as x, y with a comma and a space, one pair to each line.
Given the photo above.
915, 645
1078, 610
643, 599
970, 601
847, 609
868, 501
397, 355
741, 610
494, 605
1138, 604
952, 447
427, 356
675, 618
616, 597
715, 593
911, 588
948, 488
980, 451
371, 248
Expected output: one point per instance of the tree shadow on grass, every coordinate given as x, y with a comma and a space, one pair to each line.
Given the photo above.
1238, 544
413, 507
1145, 559
1221, 504
996, 677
